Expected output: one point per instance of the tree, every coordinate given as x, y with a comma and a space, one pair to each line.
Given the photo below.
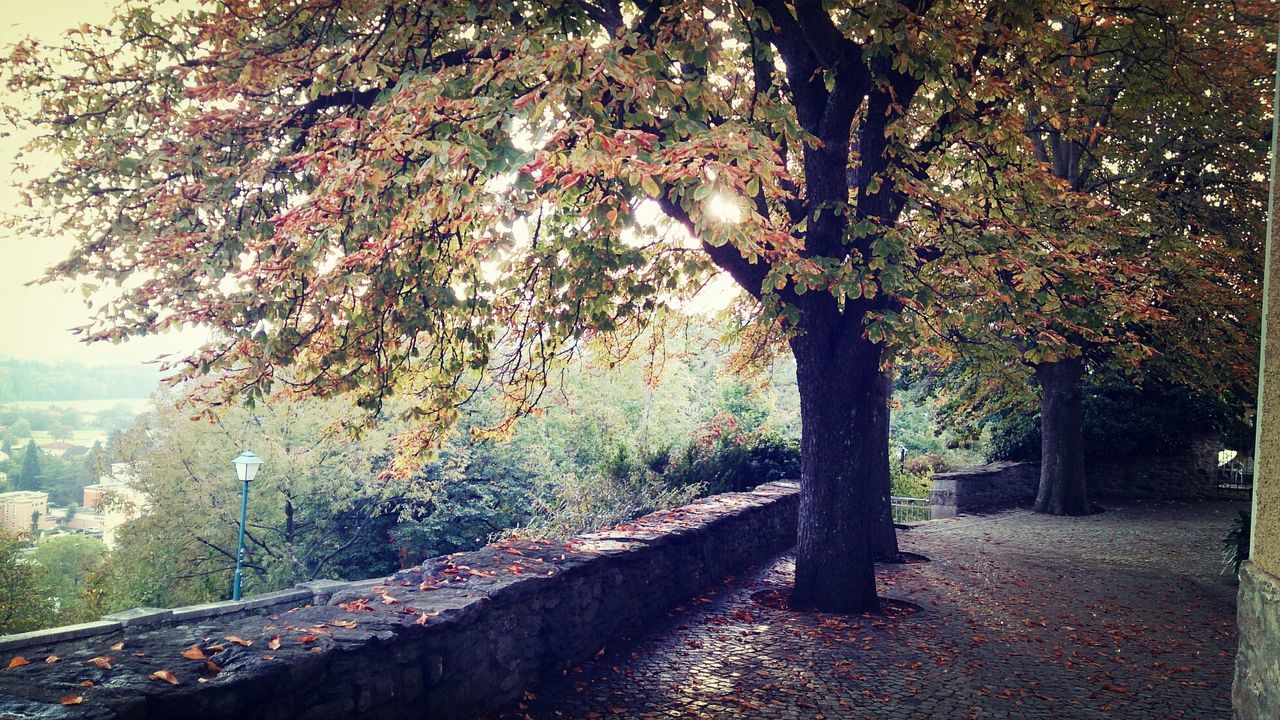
21, 428
1156, 229
31, 477
98, 462
425, 198
65, 562
61, 431
317, 500
22, 604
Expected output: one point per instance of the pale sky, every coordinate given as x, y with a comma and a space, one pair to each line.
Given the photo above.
35, 322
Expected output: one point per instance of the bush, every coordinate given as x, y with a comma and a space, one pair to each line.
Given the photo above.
734, 464
906, 482
583, 504
1235, 546
927, 464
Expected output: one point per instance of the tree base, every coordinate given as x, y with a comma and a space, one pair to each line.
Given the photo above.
780, 599
904, 558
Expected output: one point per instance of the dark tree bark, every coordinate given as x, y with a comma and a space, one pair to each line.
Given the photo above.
1062, 483
845, 448
884, 536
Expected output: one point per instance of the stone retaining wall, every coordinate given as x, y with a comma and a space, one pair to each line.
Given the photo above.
988, 487
1188, 475
1192, 475
1255, 695
463, 634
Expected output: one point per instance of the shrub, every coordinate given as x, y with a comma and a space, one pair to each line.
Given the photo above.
927, 464
735, 464
579, 504
908, 484
1235, 546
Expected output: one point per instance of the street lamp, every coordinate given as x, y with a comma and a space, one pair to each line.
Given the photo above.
246, 469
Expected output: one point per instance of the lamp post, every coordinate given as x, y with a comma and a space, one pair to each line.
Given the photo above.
246, 469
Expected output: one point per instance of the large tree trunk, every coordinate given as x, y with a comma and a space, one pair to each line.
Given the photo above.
884, 537
1062, 483
844, 458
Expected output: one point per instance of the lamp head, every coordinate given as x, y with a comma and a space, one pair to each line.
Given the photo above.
247, 466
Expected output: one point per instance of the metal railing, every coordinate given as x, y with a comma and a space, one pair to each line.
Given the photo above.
1235, 475
909, 509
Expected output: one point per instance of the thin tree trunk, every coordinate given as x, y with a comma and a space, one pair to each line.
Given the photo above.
844, 458
1062, 483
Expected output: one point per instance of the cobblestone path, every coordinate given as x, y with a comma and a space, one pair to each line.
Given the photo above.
1120, 615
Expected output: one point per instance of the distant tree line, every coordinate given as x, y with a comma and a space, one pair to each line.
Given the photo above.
33, 380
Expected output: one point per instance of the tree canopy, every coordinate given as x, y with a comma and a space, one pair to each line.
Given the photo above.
425, 198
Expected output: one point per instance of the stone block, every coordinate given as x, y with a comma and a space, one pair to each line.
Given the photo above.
213, 609
57, 634
280, 597
140, 616
322, 590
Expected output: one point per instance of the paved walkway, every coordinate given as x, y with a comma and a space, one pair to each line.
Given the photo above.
1118, 615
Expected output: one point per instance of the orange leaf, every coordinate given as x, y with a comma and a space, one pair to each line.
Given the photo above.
101, 662
164, 675
238, 641
87, 683
52, 659
217, 648
193, 653
274, 643
17, 662
212, 667
118, 646
308, 639
268, 657
388, 600
72, 699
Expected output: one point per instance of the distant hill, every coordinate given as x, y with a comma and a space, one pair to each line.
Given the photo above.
34, 380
